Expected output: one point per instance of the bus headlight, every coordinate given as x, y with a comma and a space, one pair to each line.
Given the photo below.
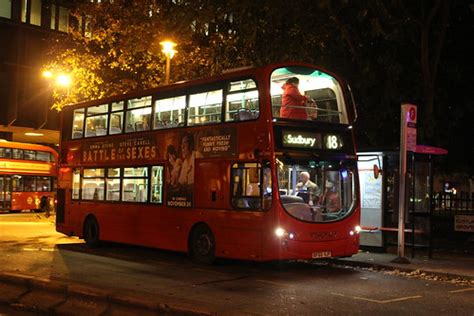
280, 232
356, 230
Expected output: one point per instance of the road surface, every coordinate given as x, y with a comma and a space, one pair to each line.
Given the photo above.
30, 246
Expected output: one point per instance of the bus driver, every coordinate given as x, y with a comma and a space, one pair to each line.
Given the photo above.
307, 189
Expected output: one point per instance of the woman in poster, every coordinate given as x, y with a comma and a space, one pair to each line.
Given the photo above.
186, 176
174, 165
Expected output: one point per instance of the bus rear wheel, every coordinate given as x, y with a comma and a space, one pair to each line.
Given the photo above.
91, 232
202, 244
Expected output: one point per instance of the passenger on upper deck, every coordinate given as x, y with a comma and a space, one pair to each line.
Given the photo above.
293, 103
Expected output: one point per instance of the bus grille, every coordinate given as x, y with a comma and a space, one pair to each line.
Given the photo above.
61, 197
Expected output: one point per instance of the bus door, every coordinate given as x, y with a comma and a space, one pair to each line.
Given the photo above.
232, 190
5, 192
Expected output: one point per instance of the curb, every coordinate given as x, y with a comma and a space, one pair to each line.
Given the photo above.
84, 292
381, 266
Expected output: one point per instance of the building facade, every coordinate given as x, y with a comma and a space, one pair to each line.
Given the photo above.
26, 26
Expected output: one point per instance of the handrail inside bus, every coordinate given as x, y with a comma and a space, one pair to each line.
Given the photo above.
307, 107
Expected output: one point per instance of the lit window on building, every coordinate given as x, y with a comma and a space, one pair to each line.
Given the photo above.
35, 15
6, 9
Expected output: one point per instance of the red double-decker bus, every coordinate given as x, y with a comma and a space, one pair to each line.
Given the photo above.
27, 176
227, 166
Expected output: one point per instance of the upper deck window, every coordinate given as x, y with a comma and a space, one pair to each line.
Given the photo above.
138, 117
78, 123
248, 84
5, 152
43, 156
116, 118
242, 101
17, 153
30, 154
169, 112
205, 107
303, 93
96, 121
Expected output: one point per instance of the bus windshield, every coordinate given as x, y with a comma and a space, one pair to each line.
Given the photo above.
303, 93
316, 190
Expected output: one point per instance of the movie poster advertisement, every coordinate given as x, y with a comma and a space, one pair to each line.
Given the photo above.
178, 149
140, 149
182, 150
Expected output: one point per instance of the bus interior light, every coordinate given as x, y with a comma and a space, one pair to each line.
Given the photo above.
344, 174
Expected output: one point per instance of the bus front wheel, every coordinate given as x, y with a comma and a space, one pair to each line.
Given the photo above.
91, 232
202, 244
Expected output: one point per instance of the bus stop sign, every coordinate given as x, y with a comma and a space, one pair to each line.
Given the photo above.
410, 115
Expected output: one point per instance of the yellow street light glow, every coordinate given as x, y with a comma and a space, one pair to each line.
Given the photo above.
47, 74
63, 80
168, 48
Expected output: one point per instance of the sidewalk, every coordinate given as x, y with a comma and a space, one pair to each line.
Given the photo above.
45, 296
451, 266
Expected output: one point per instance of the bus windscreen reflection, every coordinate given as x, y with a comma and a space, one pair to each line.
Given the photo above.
316, 191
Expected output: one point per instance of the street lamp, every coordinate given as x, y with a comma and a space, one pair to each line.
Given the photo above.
169, 51
63, 80
47, 74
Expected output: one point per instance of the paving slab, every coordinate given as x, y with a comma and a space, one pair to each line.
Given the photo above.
445, 265
82, 307
118, 310
10, 293
44, 301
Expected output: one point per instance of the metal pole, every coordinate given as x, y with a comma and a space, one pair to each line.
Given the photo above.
402, 190
413, 195
430, 251
168, 66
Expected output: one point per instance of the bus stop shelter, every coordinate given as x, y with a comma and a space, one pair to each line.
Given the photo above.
379, 197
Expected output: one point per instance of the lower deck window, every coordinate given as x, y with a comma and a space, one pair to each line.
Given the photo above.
119, 184
135, 185
250, 187
31, 184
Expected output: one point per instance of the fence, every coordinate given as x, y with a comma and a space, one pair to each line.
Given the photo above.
448, 203
444, 236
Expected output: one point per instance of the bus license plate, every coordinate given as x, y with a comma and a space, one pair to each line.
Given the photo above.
321, 254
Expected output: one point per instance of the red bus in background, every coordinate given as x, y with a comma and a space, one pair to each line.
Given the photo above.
27, 176
210, 167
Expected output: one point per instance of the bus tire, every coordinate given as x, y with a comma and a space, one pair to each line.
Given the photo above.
91, 232
202, 244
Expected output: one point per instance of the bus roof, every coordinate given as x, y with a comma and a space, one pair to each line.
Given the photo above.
225, 75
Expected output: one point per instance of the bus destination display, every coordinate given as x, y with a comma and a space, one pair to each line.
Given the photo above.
310, 140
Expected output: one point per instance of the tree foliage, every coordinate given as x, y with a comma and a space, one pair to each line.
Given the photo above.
391, 51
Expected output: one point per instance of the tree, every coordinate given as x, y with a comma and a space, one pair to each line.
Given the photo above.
390, 51
113, 48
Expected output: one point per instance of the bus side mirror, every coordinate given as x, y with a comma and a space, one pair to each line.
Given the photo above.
377, 171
